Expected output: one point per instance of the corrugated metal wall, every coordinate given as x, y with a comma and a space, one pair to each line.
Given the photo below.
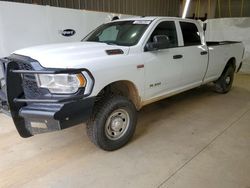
134, 7
232, 8
219, 8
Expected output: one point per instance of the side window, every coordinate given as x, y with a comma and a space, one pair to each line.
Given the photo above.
190, 33
168, 29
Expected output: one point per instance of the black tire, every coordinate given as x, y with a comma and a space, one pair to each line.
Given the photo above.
225, 82
106, 128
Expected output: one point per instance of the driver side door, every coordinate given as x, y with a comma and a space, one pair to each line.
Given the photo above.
163, 67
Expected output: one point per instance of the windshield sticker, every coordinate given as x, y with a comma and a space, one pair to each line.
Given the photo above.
144, 22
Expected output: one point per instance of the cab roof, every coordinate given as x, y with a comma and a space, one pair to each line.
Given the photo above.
153, 18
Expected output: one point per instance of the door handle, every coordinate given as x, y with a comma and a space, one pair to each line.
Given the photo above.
204, 53
177, 56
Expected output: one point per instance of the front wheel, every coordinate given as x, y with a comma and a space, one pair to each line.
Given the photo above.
113, 123
224, 83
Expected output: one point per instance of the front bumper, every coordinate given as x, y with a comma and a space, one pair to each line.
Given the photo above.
47, 117
35, 110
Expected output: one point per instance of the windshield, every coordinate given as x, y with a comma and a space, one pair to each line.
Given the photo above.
124, 33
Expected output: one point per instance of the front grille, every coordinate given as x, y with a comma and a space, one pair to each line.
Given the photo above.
30, 88
25, 66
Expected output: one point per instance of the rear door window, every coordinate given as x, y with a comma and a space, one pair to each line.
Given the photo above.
190, 33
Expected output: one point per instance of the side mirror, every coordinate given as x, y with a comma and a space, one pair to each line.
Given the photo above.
151, 46
159, 42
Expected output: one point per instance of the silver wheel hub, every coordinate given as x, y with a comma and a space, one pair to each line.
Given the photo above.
117, 124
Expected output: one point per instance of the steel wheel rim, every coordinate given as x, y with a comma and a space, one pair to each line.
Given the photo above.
117, 124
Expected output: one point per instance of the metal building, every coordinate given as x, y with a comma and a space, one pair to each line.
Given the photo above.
134, 7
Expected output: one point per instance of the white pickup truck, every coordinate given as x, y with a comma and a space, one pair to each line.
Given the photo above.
111, 74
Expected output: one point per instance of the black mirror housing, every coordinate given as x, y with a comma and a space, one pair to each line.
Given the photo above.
159, 42
161, 39
151, 46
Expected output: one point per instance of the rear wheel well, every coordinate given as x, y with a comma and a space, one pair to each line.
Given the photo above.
122, 88
231, 62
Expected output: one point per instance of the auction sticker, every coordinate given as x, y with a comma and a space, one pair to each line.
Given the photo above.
144, 22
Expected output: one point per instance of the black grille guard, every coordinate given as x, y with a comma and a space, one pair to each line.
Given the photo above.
10, 70
13, 98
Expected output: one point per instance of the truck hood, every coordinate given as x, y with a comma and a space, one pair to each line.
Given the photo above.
68, 55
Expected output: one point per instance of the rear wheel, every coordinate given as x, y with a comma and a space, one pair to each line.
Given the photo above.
224, 83
113, 123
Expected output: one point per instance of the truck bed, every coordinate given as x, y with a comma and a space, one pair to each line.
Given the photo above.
220, 52
217, 43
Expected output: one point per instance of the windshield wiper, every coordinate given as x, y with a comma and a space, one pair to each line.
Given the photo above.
106, 42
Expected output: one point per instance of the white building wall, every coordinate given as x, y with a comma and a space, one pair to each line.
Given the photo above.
236, 29
24, 25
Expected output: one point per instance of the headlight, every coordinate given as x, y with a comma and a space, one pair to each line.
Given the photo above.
61, 83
